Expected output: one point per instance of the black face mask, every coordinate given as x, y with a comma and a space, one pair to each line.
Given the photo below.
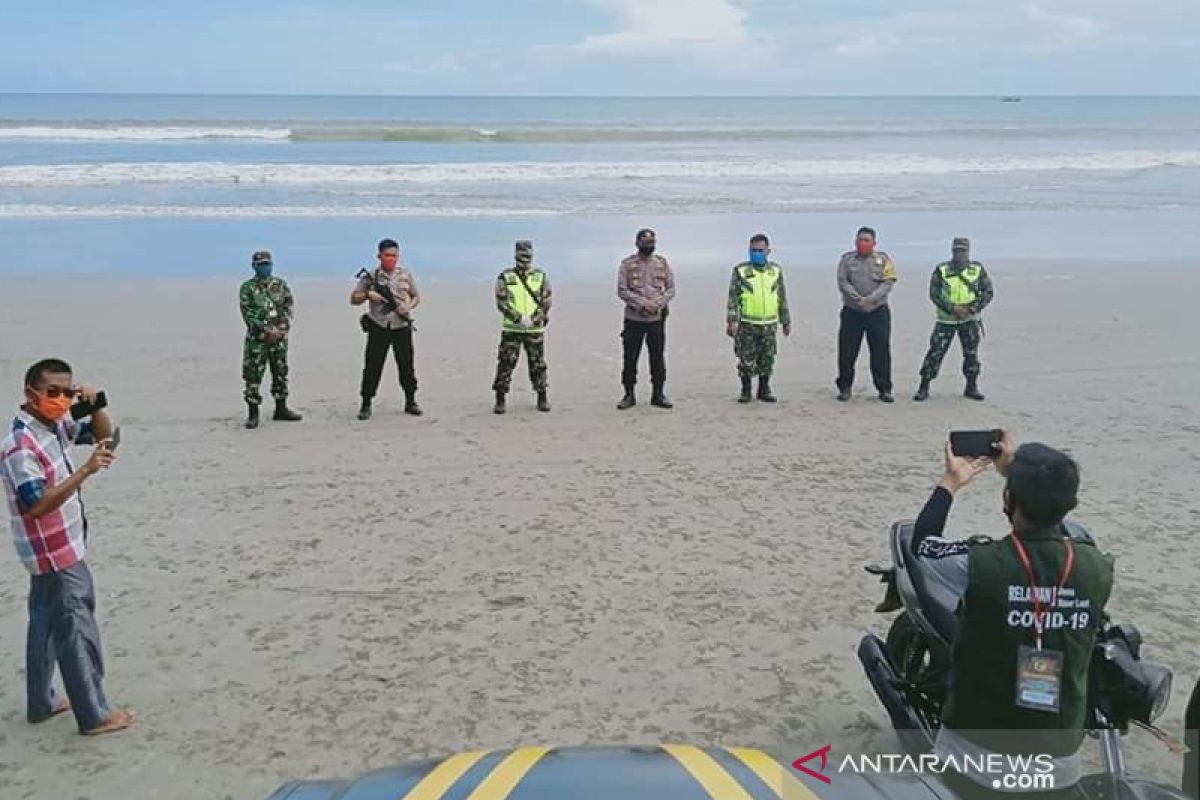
646, 250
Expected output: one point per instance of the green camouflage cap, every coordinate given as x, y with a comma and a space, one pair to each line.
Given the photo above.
261, 257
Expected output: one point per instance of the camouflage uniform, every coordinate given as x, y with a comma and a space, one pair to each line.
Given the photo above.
755, 345
266, 304
968, 330
511, 342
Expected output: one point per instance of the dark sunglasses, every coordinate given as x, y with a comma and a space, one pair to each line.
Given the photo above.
54, 391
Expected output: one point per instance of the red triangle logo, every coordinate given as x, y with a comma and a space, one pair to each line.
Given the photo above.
800, 763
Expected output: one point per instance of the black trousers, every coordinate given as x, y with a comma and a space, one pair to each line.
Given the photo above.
379, 341
877, 327
655, 336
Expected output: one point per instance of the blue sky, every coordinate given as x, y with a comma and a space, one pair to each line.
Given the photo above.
635, 47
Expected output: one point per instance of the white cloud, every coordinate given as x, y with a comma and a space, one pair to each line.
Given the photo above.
655, 27
1061, 31
871, 44
447, 62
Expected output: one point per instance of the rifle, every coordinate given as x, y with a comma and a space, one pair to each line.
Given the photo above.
390, 303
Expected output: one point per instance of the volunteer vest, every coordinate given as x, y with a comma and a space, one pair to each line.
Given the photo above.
760, 295
996, 619
521, 301
961, 288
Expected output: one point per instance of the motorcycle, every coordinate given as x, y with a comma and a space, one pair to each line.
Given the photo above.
909, 669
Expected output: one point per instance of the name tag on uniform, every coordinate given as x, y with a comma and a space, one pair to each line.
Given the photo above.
1039, 679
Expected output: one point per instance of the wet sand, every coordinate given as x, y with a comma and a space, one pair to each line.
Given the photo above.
319, 599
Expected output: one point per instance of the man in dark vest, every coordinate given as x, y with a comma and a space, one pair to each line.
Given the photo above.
1031, 604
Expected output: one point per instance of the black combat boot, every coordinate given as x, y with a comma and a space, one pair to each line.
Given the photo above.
410, 405
285, 414
500, 406
628, 401
659, 397
364, 411
747, 390
887, 397
843, 394
922, 391
543, 401
251, 415
972, 390
764, 389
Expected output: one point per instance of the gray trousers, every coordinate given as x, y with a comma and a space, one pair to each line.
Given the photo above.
62, 630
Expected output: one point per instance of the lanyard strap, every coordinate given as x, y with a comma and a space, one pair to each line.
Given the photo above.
1039, 614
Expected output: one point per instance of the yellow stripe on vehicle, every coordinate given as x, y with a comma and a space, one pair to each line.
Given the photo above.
784, 784
719, 784
443, 776
508, 773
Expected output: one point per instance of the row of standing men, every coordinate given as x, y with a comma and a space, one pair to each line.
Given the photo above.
757, 308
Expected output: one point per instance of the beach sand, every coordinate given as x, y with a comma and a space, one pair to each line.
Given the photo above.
320, 599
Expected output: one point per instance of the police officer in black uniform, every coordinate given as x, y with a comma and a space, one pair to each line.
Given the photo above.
1031, 604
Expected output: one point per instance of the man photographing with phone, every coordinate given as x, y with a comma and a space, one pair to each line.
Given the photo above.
1030, 606
50, 534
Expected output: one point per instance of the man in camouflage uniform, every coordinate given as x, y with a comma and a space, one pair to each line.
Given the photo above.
266, 303
960, 289
523, 299
757, 307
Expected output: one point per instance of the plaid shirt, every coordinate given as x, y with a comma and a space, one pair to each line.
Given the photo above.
33, 457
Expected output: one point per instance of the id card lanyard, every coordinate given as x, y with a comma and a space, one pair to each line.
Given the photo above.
1040, 611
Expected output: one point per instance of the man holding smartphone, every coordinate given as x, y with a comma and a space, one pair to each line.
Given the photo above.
1030, 606
50, 534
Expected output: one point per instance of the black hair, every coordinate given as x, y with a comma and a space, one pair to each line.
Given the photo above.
1043, 483
388, 244
643, 233
34, 374
760, 237
865, 229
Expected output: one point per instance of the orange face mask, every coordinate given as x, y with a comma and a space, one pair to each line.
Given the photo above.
51, 408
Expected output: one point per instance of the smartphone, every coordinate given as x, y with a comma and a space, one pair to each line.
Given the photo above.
81, 409
114, 440
973, 444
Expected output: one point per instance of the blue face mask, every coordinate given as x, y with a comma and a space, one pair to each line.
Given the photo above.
758, 257
262, 270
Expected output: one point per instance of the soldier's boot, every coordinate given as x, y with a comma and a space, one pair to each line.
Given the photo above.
285, 414
659, 399
747, 390
922, 391
543, 401
364, 411
972, 391
410, 405
628, 401
764, 389
251, 415
500, 406
844, 394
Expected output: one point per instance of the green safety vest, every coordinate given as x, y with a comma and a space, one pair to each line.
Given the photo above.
995, 620
961, 288
520, 301
760, 296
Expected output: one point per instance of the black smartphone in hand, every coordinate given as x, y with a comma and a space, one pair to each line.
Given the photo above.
974, 444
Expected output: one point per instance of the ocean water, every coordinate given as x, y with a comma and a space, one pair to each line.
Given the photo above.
124, 177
